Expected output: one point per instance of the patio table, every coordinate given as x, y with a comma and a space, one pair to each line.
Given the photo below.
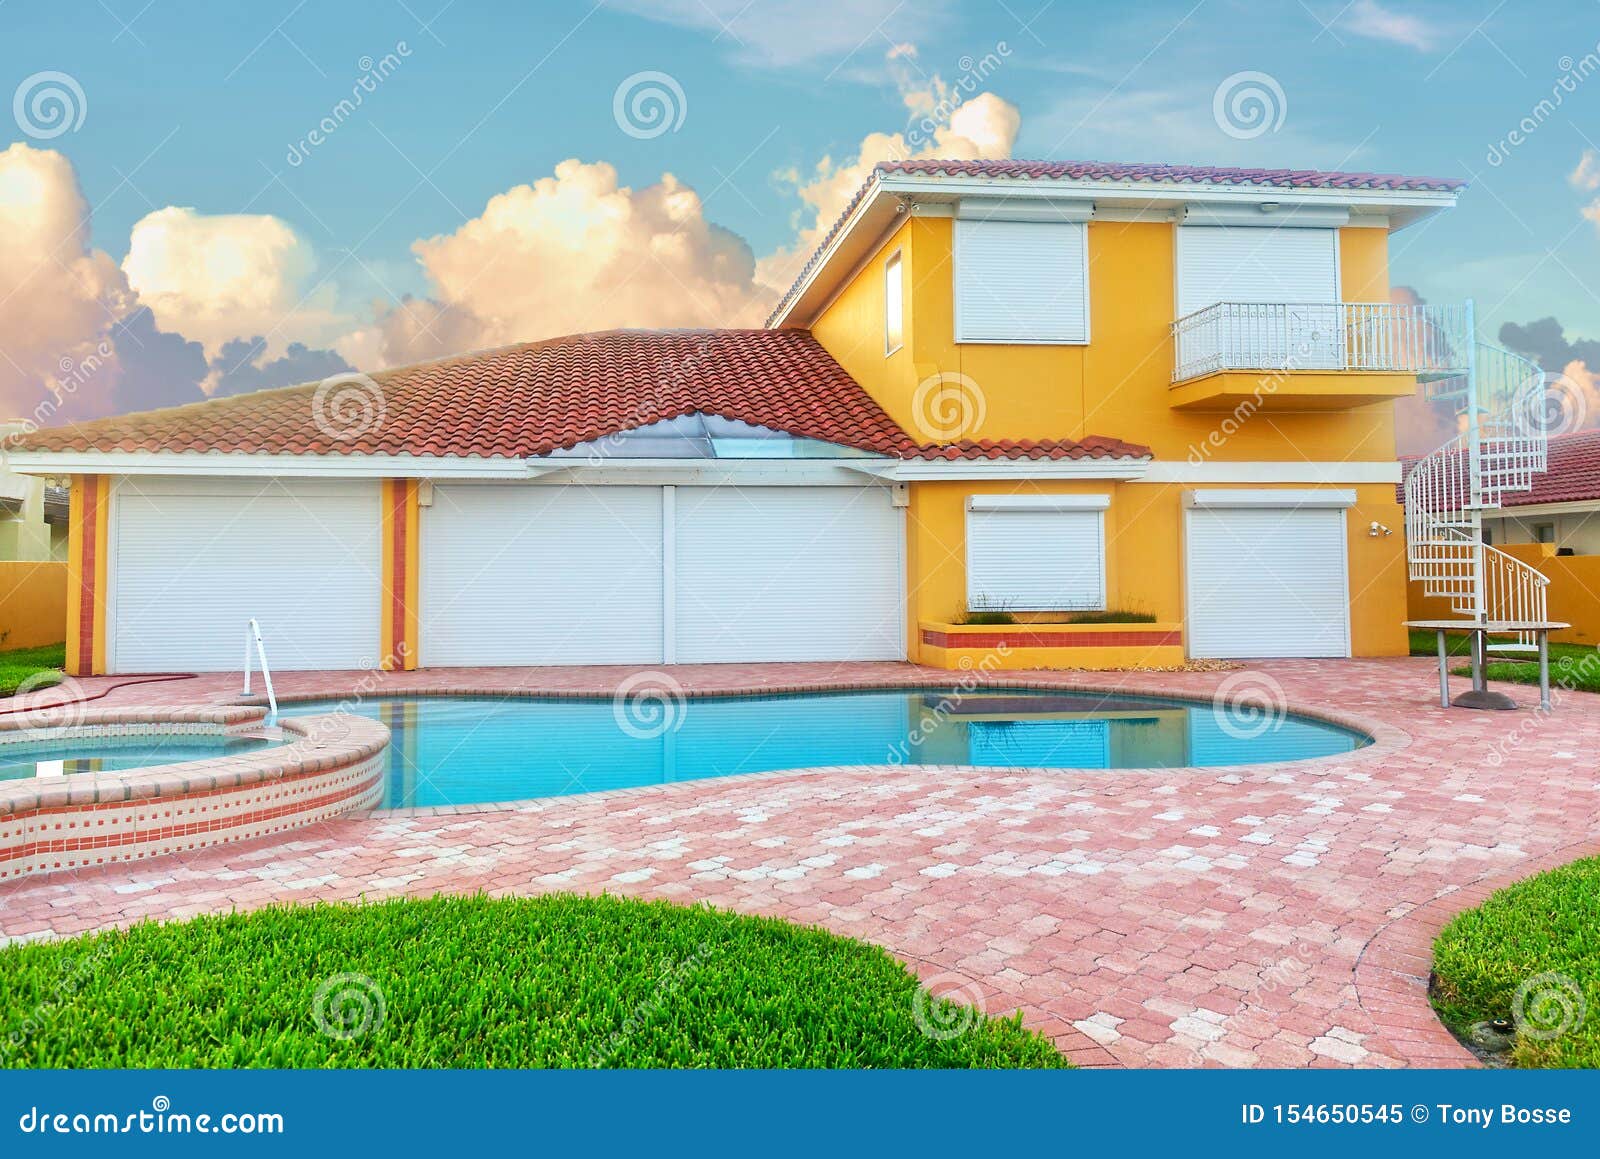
1480, 696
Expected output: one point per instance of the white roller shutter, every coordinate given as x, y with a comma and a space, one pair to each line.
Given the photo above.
541, 575
1267, 581
1224, 263
1021, 281
787, 573
1035, 559
192, 560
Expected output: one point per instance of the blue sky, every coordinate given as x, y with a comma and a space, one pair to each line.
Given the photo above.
187, 106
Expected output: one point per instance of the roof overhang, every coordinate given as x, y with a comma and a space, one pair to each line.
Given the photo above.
674, 470
888, 197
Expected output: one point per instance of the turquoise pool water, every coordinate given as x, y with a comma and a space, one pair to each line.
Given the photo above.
114, 754
458, 751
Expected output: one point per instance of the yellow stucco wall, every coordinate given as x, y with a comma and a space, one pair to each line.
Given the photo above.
33, 604
1117, 385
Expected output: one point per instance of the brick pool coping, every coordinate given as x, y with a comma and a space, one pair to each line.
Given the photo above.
1164, 957
326, 766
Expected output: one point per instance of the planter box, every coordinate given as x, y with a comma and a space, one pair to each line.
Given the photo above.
1011, 646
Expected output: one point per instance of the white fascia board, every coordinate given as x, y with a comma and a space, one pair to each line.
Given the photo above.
929, 470
714, 472
1279, 498
1038, 502
1160, 193
1519, 511
287, 466
1180, 471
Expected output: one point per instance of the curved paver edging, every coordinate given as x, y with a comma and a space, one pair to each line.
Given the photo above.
1391, 975
331, 765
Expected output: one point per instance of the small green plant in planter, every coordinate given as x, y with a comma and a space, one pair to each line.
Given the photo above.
1112, 616
998, 617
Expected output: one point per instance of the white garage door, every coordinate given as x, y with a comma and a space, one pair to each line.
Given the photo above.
1267, 582
541, 575
192, 560
787, 573
647, 575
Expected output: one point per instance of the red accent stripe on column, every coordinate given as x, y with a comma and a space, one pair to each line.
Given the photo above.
90, 531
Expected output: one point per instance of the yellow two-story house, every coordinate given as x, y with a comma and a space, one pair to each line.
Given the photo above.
1012, 414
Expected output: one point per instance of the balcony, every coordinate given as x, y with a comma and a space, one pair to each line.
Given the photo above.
1312, 355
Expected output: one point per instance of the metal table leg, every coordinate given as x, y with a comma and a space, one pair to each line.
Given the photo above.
1544, 670
1444, 673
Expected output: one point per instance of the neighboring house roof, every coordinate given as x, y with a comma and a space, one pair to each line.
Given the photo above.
538, 397
1114, 171
1573, 475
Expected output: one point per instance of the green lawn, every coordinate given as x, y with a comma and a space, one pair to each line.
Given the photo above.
1575, 666
21, 663
1541, 936
554, 981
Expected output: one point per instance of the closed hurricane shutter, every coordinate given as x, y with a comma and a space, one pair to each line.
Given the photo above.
1225, 263
1021, 281
1036, 560
1267, 582
193, 560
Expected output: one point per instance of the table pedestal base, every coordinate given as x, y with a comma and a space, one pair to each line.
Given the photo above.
1485, 698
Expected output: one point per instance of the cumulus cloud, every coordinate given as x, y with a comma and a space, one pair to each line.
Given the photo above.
57, 294
153, 368
1370, 19
242, 366
571, 252
1586, 177
983, 126
1574, 389
216, 277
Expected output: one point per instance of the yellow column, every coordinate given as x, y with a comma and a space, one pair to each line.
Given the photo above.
398, 618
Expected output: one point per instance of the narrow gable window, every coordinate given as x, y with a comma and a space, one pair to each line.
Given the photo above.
893, 305
1021, 281
1036, 553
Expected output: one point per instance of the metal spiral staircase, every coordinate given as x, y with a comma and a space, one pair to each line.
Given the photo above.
1500, 401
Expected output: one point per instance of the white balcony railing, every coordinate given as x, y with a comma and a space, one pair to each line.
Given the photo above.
1360, 336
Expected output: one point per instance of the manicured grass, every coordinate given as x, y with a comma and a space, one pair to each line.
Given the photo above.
554, 981
1575, 666
19, 664
1546, 929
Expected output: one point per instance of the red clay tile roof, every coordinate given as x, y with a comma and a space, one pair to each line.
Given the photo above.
1120, 171
538, 397
1573, 477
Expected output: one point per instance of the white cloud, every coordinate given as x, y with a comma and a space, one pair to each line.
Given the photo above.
215, 277
984, 126
57, 295
1370, 19
1587, 175
572, 252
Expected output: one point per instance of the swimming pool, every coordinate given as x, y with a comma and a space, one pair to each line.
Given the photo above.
467, 750
110, 754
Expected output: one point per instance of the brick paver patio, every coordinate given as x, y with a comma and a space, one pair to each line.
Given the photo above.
1271, 915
